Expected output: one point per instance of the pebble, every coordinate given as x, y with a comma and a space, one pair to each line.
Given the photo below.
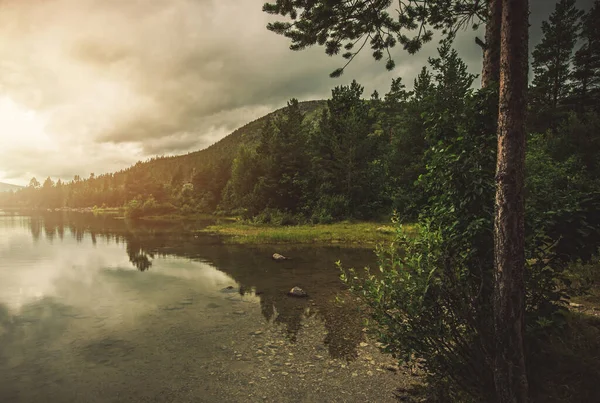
393, 368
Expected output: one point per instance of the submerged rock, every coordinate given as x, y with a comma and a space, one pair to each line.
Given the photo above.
278, 257
297, 292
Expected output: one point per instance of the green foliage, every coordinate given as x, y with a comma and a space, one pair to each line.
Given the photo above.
345, 157
563, 197
278, 217
552, 56
273, 176
583, 275
341, 26
150, 207
586, 69
431, 301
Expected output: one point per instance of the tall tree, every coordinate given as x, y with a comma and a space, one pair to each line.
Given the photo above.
552, 56
283, 161
510, 376
337, 23
34, 184
346, 153
586, 70
491, 48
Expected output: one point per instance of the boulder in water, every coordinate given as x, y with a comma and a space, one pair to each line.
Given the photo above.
297, 292
278, 257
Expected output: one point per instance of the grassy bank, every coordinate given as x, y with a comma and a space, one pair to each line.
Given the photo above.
185, 217
357, 234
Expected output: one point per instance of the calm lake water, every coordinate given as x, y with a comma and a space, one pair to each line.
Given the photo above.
97, 309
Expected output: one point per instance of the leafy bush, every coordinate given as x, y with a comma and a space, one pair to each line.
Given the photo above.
582, 276
187, 209
277, 217
150, 207
331, 208
563, 202
431, 302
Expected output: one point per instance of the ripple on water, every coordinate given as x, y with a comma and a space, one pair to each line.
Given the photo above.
104, 351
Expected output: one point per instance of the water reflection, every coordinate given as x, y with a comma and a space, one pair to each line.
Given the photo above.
250, 267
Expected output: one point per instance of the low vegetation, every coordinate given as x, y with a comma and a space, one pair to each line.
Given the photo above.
362, 234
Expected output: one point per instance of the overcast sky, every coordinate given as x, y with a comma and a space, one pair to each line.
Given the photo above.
96, 85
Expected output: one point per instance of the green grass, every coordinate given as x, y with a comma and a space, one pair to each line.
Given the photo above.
174, 217
357, 234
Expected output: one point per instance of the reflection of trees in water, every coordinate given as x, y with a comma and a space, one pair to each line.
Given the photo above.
140, 239
36, 228
137, 256
312, 269
284, 311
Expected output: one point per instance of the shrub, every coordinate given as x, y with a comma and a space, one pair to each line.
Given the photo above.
137, 209
431, 301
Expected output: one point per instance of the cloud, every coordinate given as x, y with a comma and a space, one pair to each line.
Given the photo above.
116, 81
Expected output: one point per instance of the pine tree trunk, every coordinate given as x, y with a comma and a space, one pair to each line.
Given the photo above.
510, 376
491, 53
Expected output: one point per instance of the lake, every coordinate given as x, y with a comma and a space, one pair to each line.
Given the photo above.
100, 309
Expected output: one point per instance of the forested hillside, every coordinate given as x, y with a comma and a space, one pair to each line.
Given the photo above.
161, 179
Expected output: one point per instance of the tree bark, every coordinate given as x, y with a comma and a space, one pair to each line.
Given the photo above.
491, 52
510, 376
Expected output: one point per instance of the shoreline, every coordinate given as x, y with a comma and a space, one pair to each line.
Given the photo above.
355, 234
358, 234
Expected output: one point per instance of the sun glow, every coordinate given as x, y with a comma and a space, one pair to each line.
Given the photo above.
21, 129
20, 126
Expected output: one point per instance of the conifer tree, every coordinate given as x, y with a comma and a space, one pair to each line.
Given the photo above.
586, 70
346, 154
553, 55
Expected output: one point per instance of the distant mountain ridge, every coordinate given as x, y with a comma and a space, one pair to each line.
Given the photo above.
224, 150
207, 170
7, 187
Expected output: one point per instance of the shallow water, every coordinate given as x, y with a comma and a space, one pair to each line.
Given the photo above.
97, 309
